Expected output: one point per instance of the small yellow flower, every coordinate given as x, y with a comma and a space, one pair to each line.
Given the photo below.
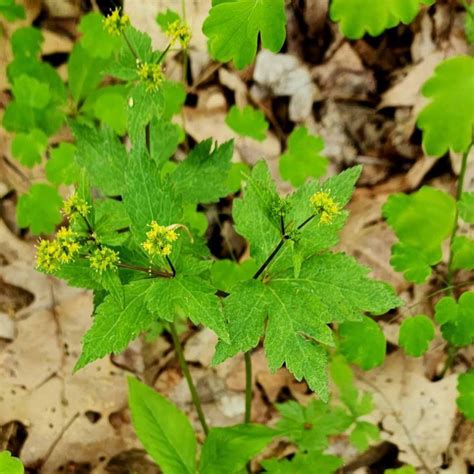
151, 74
325, 206
179, 31
52, 254
115, 23
104, 259
47, 256
75, 206
159, 240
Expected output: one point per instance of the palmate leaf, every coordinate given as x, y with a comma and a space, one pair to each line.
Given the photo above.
12, 11
416, 333
84, 72
253, 215
362, 434
255, 218
247, 122
163, 430
357, 17
303, 158
28, 148
143, 106
363, 343
39, 209
456, 319
95, 39
188, 296
330, 288
310, 427
103, 157
61, 166
448, 119
233, 28
204, 166
463, 253
304, 462
229, 449
147, 197
421, 221
115, 324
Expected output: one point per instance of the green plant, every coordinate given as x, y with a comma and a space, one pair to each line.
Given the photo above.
134, 236
426, 219
135, 230
357, 17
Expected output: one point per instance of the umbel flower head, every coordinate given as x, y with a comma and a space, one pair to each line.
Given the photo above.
151, 74
115, 23
159, 240
75, 206
179, 31
103, 259
50, 255
325, 206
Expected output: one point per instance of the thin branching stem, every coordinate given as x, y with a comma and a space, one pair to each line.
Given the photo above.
130, 47
173, 270
187, 375
258, 273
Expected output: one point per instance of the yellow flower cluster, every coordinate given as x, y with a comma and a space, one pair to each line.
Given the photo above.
159, 240
103, 259
51, 254
115, 23
75, 206
151, 74
179, 31
325, 206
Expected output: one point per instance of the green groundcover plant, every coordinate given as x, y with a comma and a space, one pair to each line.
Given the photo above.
134, 230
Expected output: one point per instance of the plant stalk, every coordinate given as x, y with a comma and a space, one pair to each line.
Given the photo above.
187, 374
452, 351
247, 356
462, 175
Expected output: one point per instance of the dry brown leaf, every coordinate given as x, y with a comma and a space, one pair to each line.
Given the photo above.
344, 76
415, 414
284, 75
38, 388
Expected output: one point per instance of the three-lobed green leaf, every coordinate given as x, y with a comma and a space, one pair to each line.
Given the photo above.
357, 17
416, 333
456, 318
448, 119
248, 122
233, 28
303, 158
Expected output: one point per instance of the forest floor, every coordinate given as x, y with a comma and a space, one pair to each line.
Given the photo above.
362, 98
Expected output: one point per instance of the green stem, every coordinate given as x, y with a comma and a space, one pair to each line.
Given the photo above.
163, 54
451, 271
247, 357
150, 271
130, 47
462, 175
173, 271
187, 375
